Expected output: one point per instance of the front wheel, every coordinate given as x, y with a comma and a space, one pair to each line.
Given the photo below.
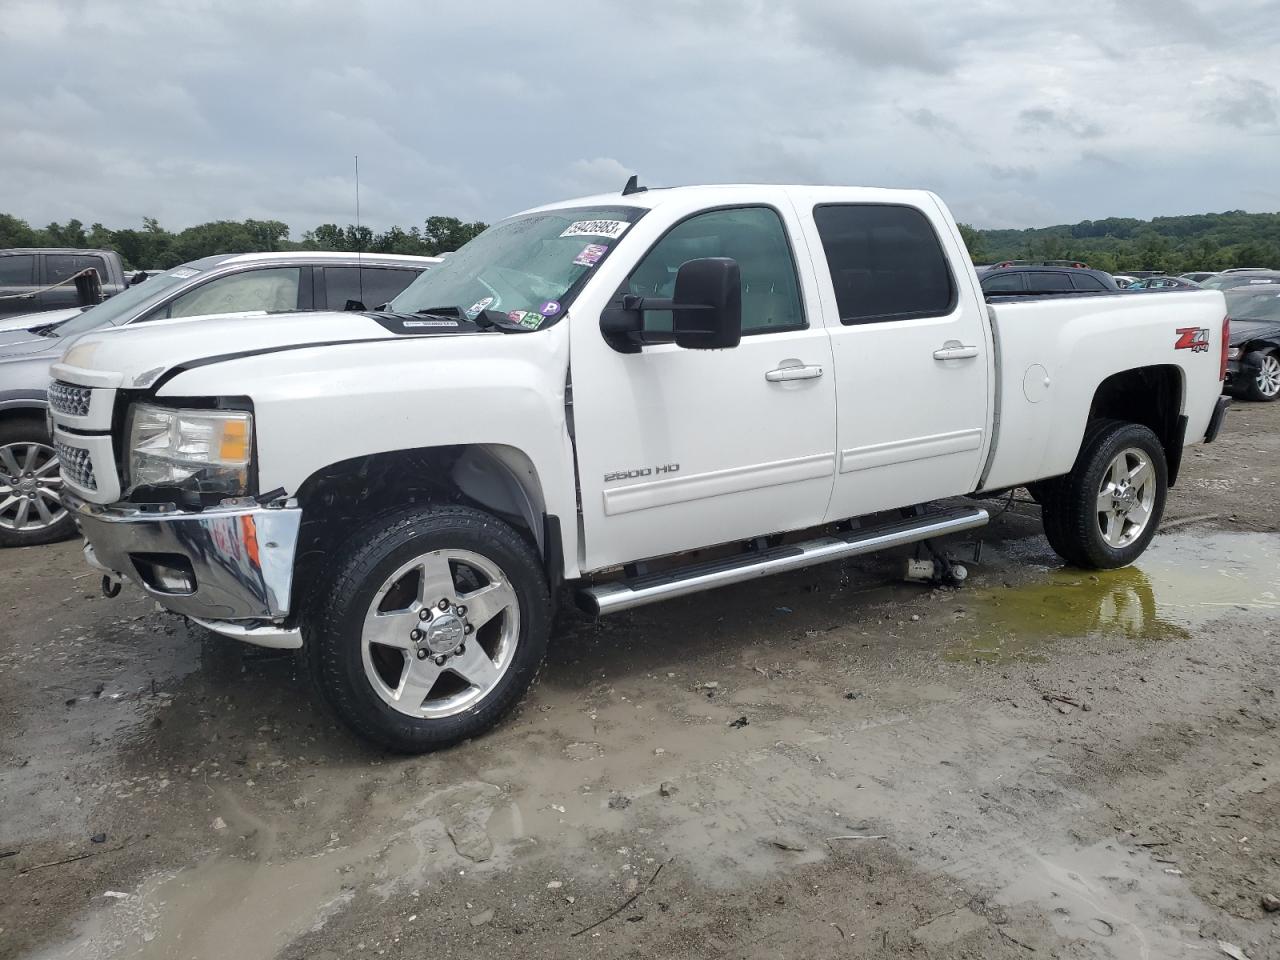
31, 511
1265, 387
1104, 512
432, 629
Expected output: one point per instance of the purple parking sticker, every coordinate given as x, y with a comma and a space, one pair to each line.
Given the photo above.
590, 255
550, 308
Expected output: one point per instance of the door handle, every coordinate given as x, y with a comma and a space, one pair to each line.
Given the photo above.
955, 350
793, 373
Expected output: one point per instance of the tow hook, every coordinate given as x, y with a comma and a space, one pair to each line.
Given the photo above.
110, 586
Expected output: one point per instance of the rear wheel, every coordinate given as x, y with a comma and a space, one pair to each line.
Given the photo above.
30, 486
1106, 510
433, 629
1265, 387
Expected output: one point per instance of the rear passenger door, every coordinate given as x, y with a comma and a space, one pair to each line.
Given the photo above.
369, 287
911, 355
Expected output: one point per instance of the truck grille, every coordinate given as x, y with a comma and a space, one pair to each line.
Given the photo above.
77, 465
67, 398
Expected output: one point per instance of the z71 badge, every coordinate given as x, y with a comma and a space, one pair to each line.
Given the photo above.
1195, 339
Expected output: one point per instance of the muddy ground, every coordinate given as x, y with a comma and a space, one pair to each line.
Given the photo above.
1045, 763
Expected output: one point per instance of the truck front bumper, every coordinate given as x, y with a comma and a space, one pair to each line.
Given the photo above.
229, 568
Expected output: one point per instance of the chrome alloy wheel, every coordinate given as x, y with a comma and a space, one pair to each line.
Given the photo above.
29, 487
440, 633
1126, 497
1269, 376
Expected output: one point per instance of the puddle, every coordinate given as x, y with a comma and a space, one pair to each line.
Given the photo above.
1182, 581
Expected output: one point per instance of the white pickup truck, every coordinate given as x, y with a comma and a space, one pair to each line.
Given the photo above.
584, 396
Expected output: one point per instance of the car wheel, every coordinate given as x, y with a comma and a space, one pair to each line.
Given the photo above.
1265, 387
1104, 512
31, 511
432, 629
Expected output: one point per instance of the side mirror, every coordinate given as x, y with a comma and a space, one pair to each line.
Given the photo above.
706, 310
707, 307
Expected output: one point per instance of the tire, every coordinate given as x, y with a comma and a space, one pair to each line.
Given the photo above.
1265, 387
30, 511
379, 628
1077, 527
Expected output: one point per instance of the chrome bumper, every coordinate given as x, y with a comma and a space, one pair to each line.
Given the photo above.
238, 561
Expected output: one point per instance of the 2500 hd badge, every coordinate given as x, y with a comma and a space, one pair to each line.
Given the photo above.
641, 472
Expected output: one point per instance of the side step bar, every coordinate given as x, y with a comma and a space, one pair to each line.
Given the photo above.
625, 594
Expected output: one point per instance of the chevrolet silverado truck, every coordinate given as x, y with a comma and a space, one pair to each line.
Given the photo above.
623, 398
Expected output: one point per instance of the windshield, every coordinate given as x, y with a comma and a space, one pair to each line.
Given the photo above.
1254, 304
128, 302
528, 267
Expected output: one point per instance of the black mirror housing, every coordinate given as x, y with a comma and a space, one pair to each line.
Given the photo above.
707, 307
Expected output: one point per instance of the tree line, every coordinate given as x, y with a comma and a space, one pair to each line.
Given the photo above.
154, 247
1206, 241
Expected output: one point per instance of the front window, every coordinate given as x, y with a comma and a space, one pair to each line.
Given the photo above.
126, 304
523, 271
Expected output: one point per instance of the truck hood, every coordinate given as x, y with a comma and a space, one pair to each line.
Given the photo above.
1243, 331
137, 355
20, 344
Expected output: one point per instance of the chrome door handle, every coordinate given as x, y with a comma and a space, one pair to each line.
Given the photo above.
793, 373
955, 350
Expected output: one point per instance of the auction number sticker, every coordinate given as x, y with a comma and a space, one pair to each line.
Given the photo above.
612, 229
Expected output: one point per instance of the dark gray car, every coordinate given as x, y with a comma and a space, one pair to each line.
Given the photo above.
30, 511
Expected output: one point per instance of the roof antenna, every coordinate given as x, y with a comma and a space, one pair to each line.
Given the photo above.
633, 186
359, 236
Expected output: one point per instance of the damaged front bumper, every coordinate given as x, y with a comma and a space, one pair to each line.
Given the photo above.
229, 568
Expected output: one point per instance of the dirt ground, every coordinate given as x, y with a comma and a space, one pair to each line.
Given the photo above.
1045, 763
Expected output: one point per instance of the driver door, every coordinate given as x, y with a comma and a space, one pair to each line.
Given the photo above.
678, 448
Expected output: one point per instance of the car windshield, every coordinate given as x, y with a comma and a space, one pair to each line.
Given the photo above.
527, 267
1257, 303
127, 303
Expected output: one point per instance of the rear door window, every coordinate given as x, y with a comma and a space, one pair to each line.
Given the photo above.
1004, 283
886, 262
1047, 281
273, 290
369, 286
1085, 281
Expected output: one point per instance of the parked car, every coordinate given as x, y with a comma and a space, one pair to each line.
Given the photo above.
248, 282
28, 276
1164, 283
1243, 278
405, 492
1253, 360
1018, 280
1198, 276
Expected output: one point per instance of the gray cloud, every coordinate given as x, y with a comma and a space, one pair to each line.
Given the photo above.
234, 108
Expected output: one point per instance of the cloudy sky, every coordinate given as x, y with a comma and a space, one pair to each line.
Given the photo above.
1019, 113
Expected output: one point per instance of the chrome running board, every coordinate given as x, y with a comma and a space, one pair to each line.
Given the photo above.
624, 594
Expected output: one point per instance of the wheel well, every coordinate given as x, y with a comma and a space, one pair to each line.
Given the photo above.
1151, 396
340, 498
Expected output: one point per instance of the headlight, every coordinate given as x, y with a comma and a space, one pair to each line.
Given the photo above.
1233, 353
207, 451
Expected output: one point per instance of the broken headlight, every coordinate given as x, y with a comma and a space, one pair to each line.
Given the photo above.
206, 451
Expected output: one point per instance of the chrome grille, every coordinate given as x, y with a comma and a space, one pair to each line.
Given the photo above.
76, 465
69, 399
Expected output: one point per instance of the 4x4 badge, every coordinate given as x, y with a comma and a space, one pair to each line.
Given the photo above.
1195, 339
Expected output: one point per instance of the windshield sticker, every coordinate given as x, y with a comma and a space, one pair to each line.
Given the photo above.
414, 324
550, 308
526, 318
590, 255
183, 273
612, 229
479, 307
1264, 280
